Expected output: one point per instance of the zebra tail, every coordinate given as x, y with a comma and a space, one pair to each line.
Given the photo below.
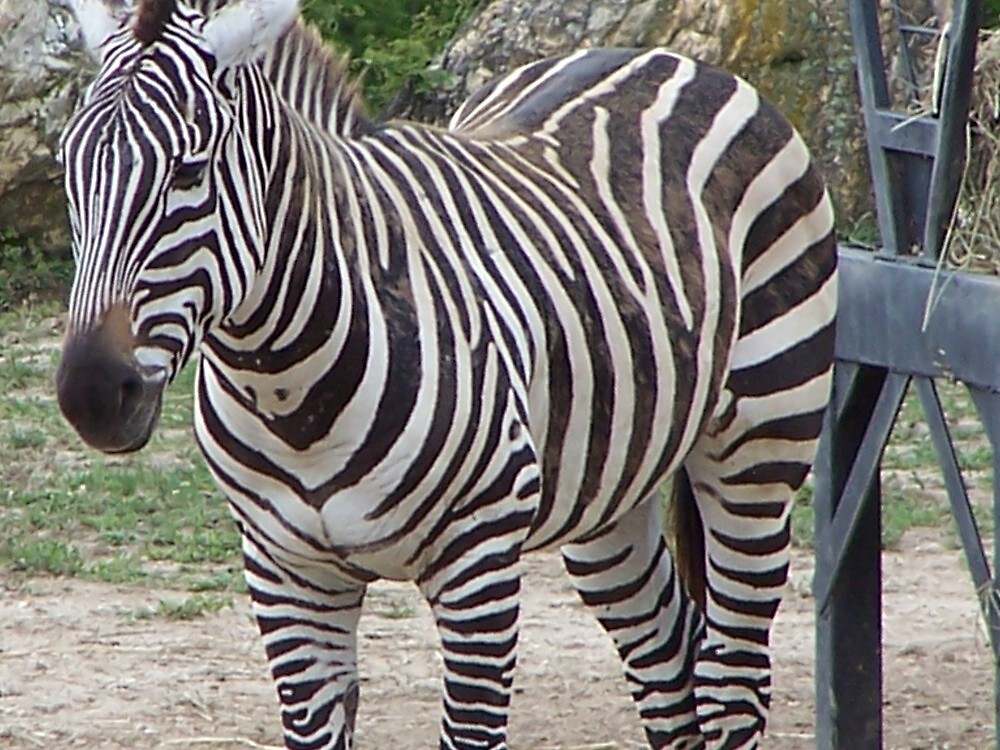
687, 535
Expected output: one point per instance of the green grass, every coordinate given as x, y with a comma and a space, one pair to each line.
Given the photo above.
23, 553
913, 489
153, 518
803, 517
389, 606
188, 608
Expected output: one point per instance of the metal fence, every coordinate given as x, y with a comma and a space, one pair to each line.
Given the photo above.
904, 324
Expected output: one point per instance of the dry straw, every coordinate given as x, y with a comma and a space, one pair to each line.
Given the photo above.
974, 243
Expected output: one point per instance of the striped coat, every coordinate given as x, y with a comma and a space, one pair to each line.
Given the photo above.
426, 351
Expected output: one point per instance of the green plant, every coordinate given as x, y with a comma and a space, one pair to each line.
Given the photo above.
991, 14
390, 43
862, 231
26, 271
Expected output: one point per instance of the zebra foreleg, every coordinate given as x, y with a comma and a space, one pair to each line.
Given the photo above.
308, 620
627, 579
473, 588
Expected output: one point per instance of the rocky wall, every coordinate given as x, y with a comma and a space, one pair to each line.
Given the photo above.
42, 69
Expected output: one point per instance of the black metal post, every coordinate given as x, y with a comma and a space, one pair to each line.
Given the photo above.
849, 570
898, 320
900, 147
988, 406
950, 154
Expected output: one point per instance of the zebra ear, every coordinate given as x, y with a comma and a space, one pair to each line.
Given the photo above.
98, 21
244, 30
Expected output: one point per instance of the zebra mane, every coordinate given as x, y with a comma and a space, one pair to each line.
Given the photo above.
310, 76
315, 81
151, 17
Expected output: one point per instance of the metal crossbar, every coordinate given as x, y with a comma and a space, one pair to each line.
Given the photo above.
907, 32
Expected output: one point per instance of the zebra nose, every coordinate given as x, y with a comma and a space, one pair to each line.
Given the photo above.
130, 394
104, 395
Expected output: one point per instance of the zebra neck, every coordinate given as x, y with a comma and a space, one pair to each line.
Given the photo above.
297, 348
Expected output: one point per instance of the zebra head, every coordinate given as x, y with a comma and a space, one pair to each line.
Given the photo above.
165, 184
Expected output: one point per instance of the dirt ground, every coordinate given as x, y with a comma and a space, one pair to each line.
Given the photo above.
77, 672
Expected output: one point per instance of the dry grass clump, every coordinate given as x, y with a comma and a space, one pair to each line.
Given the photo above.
974, 243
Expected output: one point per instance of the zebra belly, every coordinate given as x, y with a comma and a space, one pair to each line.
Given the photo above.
575, 517
571, 510
347, 530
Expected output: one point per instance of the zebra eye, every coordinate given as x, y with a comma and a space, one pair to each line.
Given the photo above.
189, 174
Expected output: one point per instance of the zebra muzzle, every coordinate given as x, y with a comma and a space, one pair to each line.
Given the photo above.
112, 402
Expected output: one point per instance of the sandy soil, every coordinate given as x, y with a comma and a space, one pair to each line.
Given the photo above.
77, 672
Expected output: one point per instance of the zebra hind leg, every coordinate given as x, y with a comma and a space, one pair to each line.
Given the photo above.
744, 479
626, 577
309, 627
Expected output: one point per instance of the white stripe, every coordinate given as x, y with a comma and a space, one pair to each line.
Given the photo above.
481, 115
610, 84
789, 328
652, 178
787, 166
726, 124
788, 248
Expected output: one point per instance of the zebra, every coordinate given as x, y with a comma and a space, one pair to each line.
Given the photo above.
426, 351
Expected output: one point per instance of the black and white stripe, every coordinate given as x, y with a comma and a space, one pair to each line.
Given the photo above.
425, 351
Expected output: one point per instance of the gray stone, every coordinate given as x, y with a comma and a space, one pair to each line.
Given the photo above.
43, 67
797, 52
